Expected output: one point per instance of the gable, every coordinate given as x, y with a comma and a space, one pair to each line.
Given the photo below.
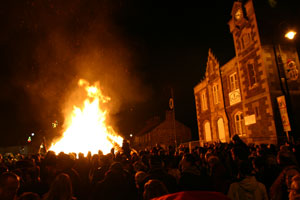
212, 65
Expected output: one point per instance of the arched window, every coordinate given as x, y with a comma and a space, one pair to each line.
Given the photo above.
216, 93
204, 100
246, 39
239, 123
233, 82
221, 130
207, 132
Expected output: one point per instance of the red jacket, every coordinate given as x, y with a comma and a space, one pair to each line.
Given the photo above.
193, 195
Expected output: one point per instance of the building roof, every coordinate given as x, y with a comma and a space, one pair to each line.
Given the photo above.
156, 122
150, 125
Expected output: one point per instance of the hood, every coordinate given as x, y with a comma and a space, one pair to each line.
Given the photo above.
249, 184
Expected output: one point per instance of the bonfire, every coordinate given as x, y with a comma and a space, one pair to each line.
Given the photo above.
88, 130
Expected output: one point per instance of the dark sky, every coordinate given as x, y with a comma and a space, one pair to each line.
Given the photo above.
138, 50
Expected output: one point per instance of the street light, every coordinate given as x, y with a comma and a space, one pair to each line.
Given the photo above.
290, 34
285, 90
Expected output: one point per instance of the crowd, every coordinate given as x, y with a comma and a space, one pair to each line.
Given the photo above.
216, 171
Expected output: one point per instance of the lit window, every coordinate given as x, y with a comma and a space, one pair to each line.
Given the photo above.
216, 93
239, 123
207, 132
204, 101
233, 82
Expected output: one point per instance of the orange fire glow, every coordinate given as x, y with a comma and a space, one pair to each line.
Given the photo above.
87, 130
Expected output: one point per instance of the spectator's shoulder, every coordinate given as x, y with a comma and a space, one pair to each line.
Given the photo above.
234, 185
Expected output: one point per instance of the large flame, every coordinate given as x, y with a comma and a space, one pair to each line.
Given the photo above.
87, 130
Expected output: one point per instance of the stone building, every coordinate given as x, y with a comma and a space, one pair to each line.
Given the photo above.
163, 132
240, 97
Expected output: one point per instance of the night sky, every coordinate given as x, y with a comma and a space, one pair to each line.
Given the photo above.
137, 50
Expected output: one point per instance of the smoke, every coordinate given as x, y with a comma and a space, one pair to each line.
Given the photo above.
65, 41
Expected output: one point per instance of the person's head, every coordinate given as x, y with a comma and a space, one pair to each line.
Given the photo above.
236, 139
284, 148
95, 160
139, 166
213, 161
116, 167
207, 155
3, 169
272, 148
154, 151
65, 161
294, 190
188, 160
29, 196
237, 153
161, 152
50, 159
36, 158
104, 160
81, 156
245, 168
61, 188
9, 185
286, 158
154, 188
171, 150
258, 163
139, 178
155, 162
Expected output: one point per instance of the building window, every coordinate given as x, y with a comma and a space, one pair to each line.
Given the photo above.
221, 130
246, 40
204, 101
207, 132
233, 82
216, 93
239, 123
256, 111
251, 74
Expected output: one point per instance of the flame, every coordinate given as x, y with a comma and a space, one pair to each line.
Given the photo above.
87, 130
